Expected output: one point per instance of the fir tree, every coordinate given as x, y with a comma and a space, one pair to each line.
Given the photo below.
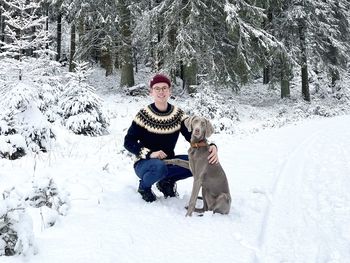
25, 34
82, 108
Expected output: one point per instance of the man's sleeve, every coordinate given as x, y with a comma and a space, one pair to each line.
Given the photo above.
132, 142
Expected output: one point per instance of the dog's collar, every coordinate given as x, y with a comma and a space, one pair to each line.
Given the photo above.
199, 144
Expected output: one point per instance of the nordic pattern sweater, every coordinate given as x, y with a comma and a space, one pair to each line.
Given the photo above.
153, 130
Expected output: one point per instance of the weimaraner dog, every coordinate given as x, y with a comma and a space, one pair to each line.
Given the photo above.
211, 177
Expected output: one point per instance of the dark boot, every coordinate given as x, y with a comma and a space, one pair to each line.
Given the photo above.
147, 194
168, 188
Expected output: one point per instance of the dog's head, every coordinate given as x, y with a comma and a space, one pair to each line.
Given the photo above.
200, 127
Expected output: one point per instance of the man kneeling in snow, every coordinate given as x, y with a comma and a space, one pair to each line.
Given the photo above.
152, 137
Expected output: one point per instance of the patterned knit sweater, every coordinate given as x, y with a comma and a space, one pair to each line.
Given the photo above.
153, 130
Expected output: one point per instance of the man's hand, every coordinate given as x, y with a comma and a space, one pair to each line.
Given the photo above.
158, 155
213, 155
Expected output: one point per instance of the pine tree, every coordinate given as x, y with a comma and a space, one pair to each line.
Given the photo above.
315, 35
82, 108
25, 34
331, 35
252, 41
126, 63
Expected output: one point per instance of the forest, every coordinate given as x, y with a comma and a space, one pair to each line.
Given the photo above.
227, 43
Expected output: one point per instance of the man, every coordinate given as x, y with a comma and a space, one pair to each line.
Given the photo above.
152, 137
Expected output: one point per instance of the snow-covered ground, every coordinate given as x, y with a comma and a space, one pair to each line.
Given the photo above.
289, 186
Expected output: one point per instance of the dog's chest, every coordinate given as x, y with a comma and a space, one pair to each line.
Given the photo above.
198, 157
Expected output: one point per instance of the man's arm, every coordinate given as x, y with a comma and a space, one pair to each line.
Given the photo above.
133, 144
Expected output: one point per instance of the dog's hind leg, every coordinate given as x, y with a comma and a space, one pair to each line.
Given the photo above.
205, 201
222, 204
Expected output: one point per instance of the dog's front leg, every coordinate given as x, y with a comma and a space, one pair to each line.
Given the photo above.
195, 191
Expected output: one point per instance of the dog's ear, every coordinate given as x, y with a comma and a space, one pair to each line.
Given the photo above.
209, 128
188, 123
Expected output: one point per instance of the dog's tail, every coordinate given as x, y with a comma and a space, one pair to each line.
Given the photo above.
178, 162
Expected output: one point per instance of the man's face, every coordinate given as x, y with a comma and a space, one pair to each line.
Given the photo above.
160, 92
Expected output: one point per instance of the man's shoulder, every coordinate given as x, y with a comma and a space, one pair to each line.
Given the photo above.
180, 113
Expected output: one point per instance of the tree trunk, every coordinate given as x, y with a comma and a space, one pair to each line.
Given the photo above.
2, 29
135, 60
47, 23
304, 66
107, 61
59, 36
305, 83
189, 69
152, 43
285, 89
117, 54
190, 77
81, 32
268, 26
334, 72
335, 76
155, 36
72, 48
266, 75
127, 70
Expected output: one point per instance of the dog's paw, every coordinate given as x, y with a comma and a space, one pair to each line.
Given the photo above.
189, 212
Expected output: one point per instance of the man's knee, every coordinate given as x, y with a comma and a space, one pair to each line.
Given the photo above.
158, 167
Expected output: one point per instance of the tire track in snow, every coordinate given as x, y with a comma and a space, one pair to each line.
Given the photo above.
295, 162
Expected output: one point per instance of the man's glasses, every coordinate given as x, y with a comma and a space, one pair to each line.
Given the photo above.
159, 89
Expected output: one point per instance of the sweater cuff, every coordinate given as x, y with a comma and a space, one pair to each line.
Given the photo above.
144, 153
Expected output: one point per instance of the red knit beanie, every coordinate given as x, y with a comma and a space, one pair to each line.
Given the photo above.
159, 78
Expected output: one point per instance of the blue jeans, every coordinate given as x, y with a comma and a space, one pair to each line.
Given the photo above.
151, 171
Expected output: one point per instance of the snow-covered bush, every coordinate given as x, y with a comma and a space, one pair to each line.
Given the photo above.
81, 106
207, 102
41, 199
12, 145
46, 193
16, 227
20, 115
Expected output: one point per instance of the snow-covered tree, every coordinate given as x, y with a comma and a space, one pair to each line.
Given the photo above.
12, 144
252, 44
25, 34
21, 116
331, 36
81, 106
16, 227
46, 196
315, 35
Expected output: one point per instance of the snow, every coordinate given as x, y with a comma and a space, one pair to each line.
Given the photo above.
289, 186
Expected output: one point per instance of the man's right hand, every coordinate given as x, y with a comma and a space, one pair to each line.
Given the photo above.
158, 154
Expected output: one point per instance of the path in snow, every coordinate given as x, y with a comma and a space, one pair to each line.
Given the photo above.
307, 216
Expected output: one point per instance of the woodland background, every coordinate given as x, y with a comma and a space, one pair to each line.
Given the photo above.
225, 42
